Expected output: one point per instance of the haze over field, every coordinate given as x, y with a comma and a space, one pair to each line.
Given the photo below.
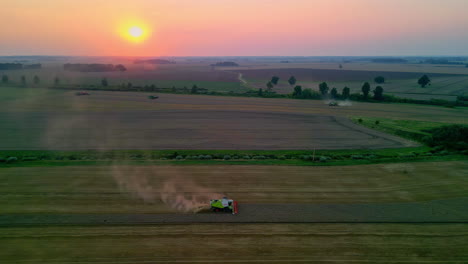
234, 28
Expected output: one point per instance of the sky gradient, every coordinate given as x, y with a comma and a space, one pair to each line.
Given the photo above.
235, 27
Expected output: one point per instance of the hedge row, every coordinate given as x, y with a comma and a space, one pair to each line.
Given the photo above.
178, 157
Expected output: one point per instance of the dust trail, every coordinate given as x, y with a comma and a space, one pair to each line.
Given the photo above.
176, 190
399, 168
340, 103
345, 103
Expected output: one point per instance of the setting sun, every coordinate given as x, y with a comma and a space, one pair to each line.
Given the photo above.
135, 32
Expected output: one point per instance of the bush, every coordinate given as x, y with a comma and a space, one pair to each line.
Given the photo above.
208, 157
324, 158
357, 157
379, 79
246, 157
403, 156
259, 157
179, 157
201, 157
235, 157
306, 157
360, 120
377, 122
29, 158
282, 157
226, 157
454, 137
11, 159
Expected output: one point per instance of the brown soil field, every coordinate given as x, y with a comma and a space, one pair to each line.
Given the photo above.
355, 66
38, 100
120, 120
320, 75
194, 129
134, 72
132, 189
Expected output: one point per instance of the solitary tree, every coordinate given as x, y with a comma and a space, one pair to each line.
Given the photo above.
292, 80
365, 89
334, 92
379, 79
260, 92
323, 87
56, 81
23, 80
269, 86
104, 82
297, 91
424, 80
345, 93
341, 66
274, 80
36, 80
194, 89
129, 85
4, 78
378, 93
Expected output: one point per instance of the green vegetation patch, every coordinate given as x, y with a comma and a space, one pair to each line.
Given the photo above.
441, 136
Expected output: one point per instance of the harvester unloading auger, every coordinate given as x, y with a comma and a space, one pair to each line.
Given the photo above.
224, 205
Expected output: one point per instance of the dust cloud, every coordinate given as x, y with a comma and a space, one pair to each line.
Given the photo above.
176, 189
340, 103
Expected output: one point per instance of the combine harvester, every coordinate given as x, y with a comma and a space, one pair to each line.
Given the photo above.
224, 205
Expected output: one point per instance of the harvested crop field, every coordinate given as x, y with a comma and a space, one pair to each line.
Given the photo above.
38, 119
240, 243
133, 189
195, 129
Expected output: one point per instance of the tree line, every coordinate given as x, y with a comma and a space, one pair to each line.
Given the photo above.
19, 66
94, 67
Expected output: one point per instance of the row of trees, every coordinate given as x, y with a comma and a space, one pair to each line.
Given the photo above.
23, 80
334, 94
423, 81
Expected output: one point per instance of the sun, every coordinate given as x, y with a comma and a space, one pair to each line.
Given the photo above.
135, 31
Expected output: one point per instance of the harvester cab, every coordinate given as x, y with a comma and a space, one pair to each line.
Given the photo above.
224, 205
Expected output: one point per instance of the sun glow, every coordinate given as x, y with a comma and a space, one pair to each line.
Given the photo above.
134, 32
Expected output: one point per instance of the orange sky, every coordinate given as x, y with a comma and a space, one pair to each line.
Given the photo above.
235, 27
